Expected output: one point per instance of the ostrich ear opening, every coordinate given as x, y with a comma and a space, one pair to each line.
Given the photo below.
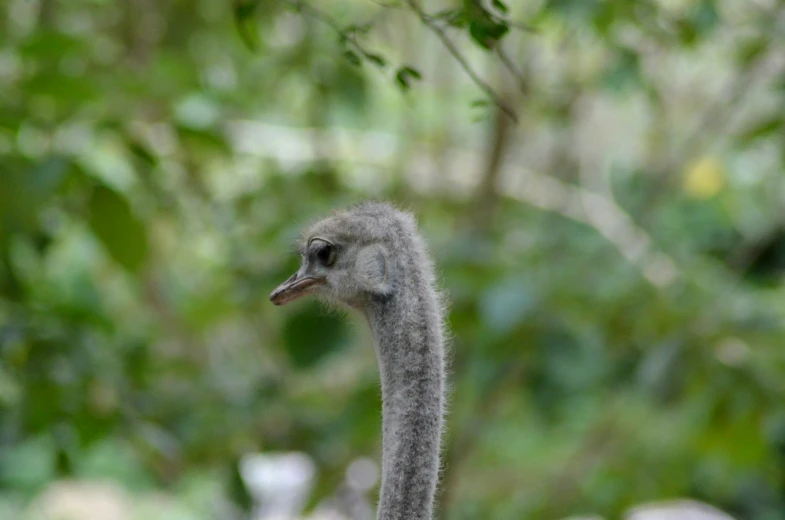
373, 269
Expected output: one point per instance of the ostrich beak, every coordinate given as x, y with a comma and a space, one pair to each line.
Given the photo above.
295, 287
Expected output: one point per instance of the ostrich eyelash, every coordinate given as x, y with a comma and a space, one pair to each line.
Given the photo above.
298, 248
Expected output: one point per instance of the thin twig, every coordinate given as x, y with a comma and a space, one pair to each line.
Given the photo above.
450, 46
325, 18
428, 22
517, 74
512, 23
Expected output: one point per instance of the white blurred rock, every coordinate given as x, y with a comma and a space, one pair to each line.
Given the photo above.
74, 500
279, 483
326, 514
362, 474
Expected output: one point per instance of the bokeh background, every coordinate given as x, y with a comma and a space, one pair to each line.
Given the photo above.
614, 260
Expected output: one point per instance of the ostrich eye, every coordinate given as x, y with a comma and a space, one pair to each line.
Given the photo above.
326, 254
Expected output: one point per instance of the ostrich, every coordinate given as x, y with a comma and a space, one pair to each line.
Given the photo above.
371, 258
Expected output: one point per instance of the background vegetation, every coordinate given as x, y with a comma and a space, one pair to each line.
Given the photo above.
614, 260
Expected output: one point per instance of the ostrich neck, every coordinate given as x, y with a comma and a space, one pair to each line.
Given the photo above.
409, 346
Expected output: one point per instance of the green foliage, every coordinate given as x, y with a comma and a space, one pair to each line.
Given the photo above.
30, 465
310, 336
405, 75
157, 161
114, 224
485, 29
246, 23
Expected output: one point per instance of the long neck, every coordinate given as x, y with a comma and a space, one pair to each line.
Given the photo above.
409, 347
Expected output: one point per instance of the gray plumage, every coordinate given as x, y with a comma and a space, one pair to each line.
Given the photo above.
372, 258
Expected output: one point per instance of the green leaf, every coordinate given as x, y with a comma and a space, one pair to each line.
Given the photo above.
487, 32
244, 10
114, 224
498, 4
752, 49
376, 59
44, 43
481, 109
65, 90
687, 32
245, 23
412, 72
352, 57
140, 150
773, 125
405, 75
203, 140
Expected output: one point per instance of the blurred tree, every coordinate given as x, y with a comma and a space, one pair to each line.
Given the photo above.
612, 342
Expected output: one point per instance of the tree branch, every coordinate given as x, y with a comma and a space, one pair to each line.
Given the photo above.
487, 197
520, 79
593, 209
325, 18
452, 49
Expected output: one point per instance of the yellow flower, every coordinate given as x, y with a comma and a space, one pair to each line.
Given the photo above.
704, 178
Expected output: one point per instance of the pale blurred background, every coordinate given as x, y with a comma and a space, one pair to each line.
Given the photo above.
614, 260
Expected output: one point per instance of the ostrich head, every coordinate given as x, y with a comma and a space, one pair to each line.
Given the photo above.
346, 257
372, 258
